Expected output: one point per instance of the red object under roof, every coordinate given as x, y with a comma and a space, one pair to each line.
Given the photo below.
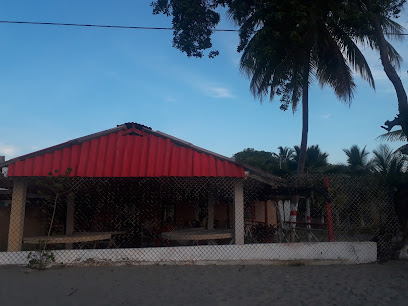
130, 150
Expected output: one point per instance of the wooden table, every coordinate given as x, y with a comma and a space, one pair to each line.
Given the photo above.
76, 238
197, 234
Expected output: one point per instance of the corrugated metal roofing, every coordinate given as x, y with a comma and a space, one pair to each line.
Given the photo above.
130, 150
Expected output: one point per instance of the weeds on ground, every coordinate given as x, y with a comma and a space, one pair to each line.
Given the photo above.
41, 258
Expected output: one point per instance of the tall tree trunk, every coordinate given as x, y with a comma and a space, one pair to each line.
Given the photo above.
303, 144
305, 126
392, 75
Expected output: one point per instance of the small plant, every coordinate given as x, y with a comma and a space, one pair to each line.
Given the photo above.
55, 182
41, 258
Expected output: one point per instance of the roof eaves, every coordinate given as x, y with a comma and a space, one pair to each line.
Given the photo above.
258, 173
190, 145
63, 145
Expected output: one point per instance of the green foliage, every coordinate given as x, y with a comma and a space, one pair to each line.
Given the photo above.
285, 161
285, 45
281, 40
259, 159
386, 165
390, 165
316, 159
41, 258
357, 160
360, 17
370, 22
53, 187
278, 40
397, 135
193, 22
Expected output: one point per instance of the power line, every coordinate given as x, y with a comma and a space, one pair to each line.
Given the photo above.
99, 25
119, 26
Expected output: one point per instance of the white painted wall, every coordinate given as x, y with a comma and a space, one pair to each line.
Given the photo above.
308, 253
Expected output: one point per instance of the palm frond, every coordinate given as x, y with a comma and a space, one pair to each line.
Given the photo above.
397, 135
356, 157
394, 56
260, 61
387, 162
354, 56
393, 29
332, 67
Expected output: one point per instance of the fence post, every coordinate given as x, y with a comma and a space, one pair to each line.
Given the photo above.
16, 226
210, 210
329, 213
239, 228
69, 228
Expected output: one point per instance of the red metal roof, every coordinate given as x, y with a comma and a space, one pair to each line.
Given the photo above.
130, 150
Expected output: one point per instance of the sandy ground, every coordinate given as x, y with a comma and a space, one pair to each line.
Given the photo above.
378, 284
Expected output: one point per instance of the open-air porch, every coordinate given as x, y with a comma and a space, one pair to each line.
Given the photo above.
131, 193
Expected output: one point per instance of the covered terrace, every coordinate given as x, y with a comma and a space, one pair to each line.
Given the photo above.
131, 187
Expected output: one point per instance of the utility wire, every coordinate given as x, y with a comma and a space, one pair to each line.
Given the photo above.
99, 25
119, 26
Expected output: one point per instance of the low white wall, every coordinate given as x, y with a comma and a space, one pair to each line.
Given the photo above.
404, 252
319, 252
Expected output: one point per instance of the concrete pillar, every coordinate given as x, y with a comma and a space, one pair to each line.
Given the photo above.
210, 220
69, 224
16, 226
293, 217
308, 220
239, 223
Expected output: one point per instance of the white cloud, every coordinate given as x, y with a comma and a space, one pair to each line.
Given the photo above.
193, 78
326, 116
169, 99
8, 150
218, 92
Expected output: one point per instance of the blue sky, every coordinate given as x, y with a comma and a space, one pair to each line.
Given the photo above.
60, 83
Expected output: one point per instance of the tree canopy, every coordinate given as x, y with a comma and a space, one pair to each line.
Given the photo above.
285, 45
371, 22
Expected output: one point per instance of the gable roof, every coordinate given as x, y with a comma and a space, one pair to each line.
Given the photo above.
129, 150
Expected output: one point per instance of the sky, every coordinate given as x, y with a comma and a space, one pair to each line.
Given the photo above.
61, 83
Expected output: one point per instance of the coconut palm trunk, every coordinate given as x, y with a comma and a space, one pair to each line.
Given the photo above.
305, 125
402, 118
303, 144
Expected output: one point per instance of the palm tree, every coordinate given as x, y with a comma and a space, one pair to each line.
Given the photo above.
286, 45
387, 162
287, 53
285, 154
397, 135
357, 160
316, 159
370, 22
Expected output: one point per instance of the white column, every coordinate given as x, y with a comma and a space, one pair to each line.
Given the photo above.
239, 224
293, 217
210, 210
308, 219
69, 224
16, 226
